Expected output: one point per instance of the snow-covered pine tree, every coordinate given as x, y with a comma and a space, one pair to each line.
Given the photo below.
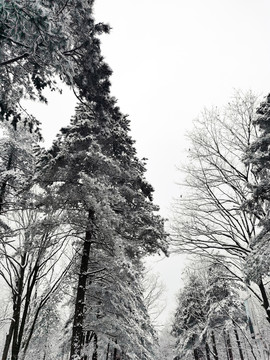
258, 157
100, 184
41, 40
208, 305
19, 135
225, 308
190, 317
115, 312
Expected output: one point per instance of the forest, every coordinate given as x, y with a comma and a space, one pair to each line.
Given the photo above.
78, 219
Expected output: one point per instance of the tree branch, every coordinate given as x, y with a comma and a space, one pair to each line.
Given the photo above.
10, 61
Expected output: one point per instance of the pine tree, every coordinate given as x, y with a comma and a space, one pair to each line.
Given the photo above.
114, 307
100, 184
257, 157
44, 39
208, 302
190, 316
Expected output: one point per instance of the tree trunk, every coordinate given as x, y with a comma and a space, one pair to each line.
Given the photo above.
4, 184
30, 286
94, 356
77, 331
265, 303
8, 341
2, 196
108, 351
207, 351
17, 304
196, 355
116, 353
238, 344
213, 339
228, 344
86, 340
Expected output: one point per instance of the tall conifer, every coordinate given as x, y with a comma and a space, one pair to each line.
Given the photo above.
100, 183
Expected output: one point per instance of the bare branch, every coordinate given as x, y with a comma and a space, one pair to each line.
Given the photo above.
18, 58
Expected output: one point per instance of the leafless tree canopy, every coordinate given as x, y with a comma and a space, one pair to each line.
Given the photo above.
209, 217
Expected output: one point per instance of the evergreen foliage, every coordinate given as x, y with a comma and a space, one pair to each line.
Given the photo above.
208, 304
92, 167
257, 157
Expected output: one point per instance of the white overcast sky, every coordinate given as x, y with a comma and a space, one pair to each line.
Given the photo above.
171, 59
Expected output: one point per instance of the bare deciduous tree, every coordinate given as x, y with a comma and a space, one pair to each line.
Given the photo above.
30, 252
210, 219
154, 299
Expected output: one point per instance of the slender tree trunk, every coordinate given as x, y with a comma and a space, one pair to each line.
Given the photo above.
238, 344
30, 334
108, 351
228, 344
4, 184
77, 331
265, 300
85, 342
30, 286
42, 303
2, 196
17, 311
213, 339
94, 356
246, 350
114, 353
225, 343
8, 341
207, 351
196, 355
